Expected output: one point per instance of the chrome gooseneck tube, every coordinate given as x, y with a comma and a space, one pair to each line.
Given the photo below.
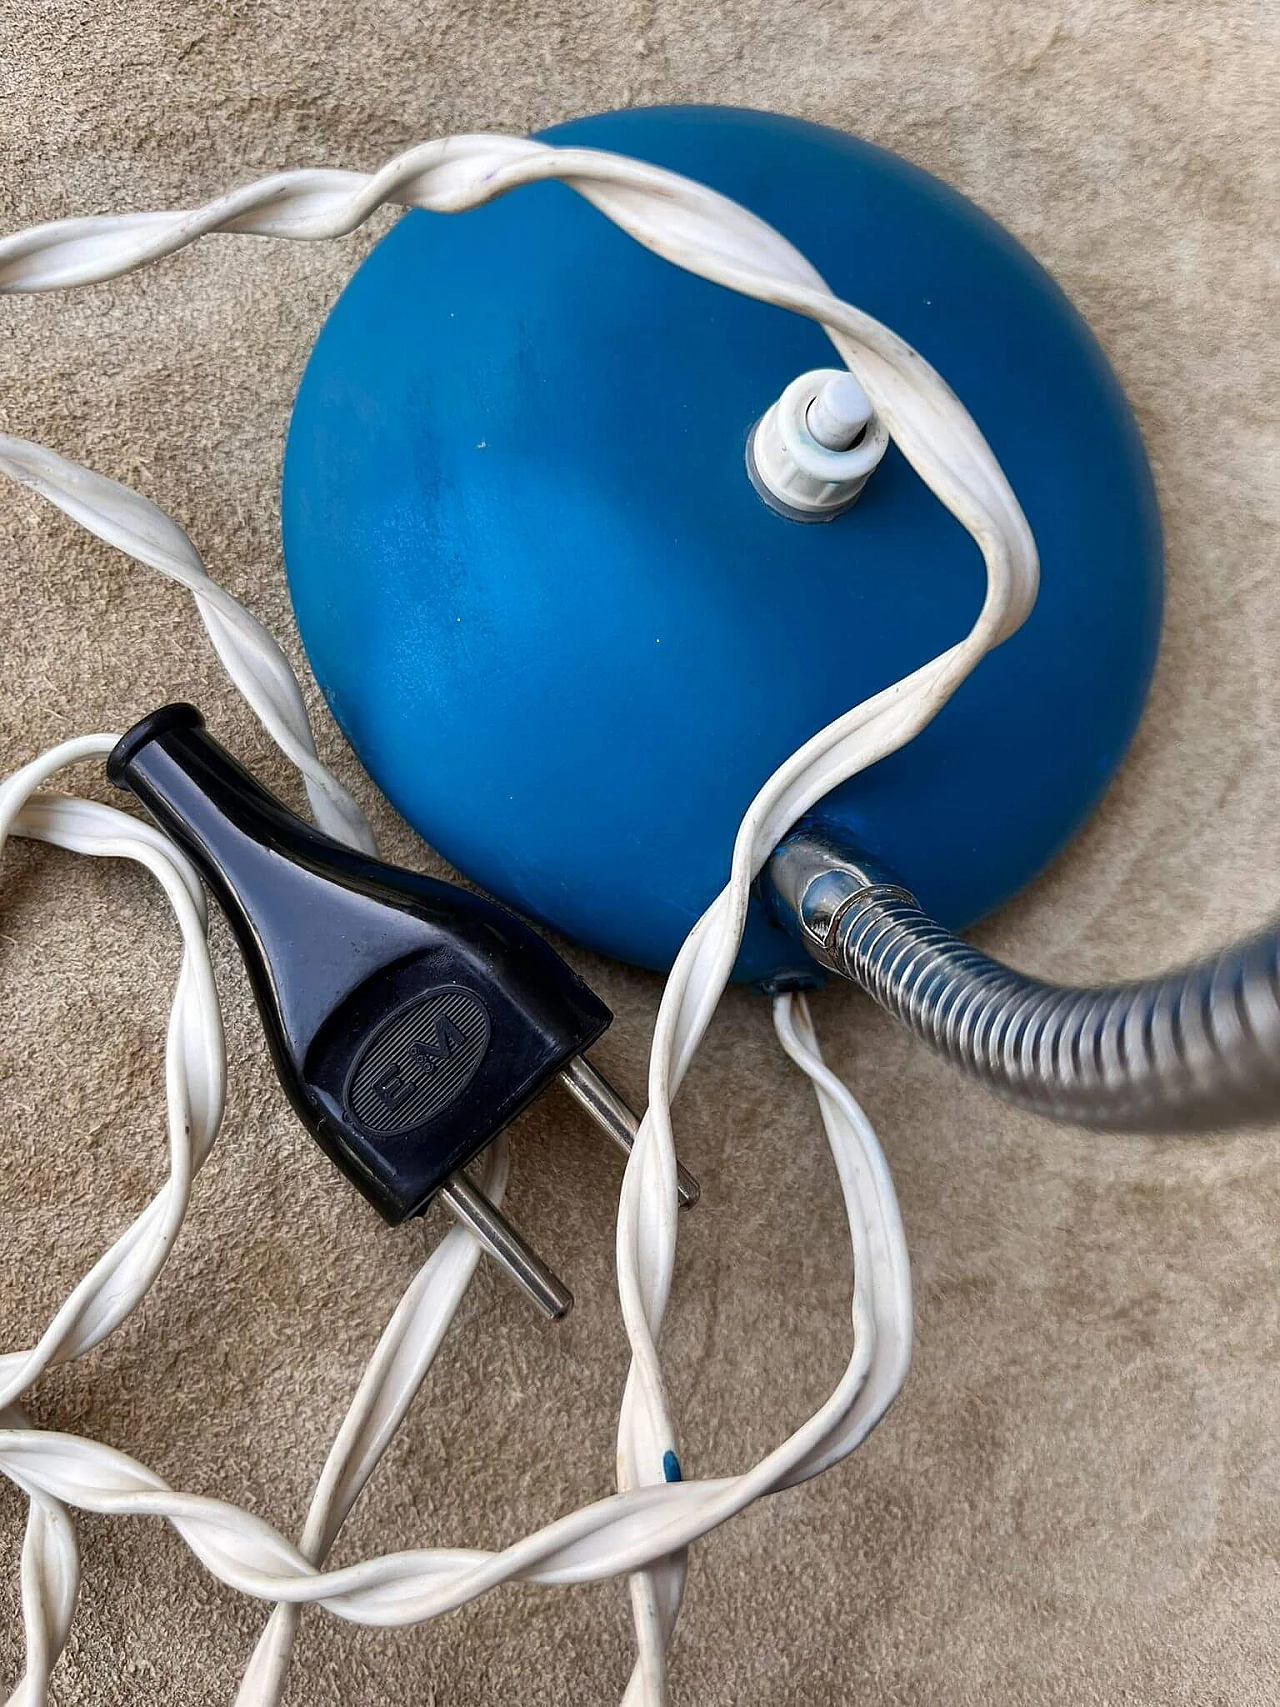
1193, 1050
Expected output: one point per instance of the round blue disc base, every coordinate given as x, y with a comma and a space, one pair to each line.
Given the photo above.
568, 639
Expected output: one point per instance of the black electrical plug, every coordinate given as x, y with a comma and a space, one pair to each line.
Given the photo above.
409, 1020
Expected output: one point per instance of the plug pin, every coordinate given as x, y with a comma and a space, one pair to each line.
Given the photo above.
507, 1248
615, 1118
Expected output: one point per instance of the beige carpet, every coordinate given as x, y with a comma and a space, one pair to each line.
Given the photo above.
1078, 1498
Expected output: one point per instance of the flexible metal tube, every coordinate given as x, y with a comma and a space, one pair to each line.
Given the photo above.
1193, 1050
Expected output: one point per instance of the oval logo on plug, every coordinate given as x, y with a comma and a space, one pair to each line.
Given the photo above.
417, 1062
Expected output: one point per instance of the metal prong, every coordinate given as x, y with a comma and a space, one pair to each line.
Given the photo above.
612, 1115
506, 1247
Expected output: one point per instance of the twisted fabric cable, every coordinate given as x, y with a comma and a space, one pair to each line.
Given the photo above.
645, 1527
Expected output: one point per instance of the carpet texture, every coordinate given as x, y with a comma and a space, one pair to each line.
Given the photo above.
1077, 1500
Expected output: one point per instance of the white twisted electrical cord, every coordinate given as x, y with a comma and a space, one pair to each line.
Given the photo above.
645, 1527
195, 1081
248, 653
390, 1382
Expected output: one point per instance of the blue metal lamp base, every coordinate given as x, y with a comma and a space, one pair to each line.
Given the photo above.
569, 640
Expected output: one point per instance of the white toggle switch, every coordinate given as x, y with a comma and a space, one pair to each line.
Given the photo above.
810, 455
